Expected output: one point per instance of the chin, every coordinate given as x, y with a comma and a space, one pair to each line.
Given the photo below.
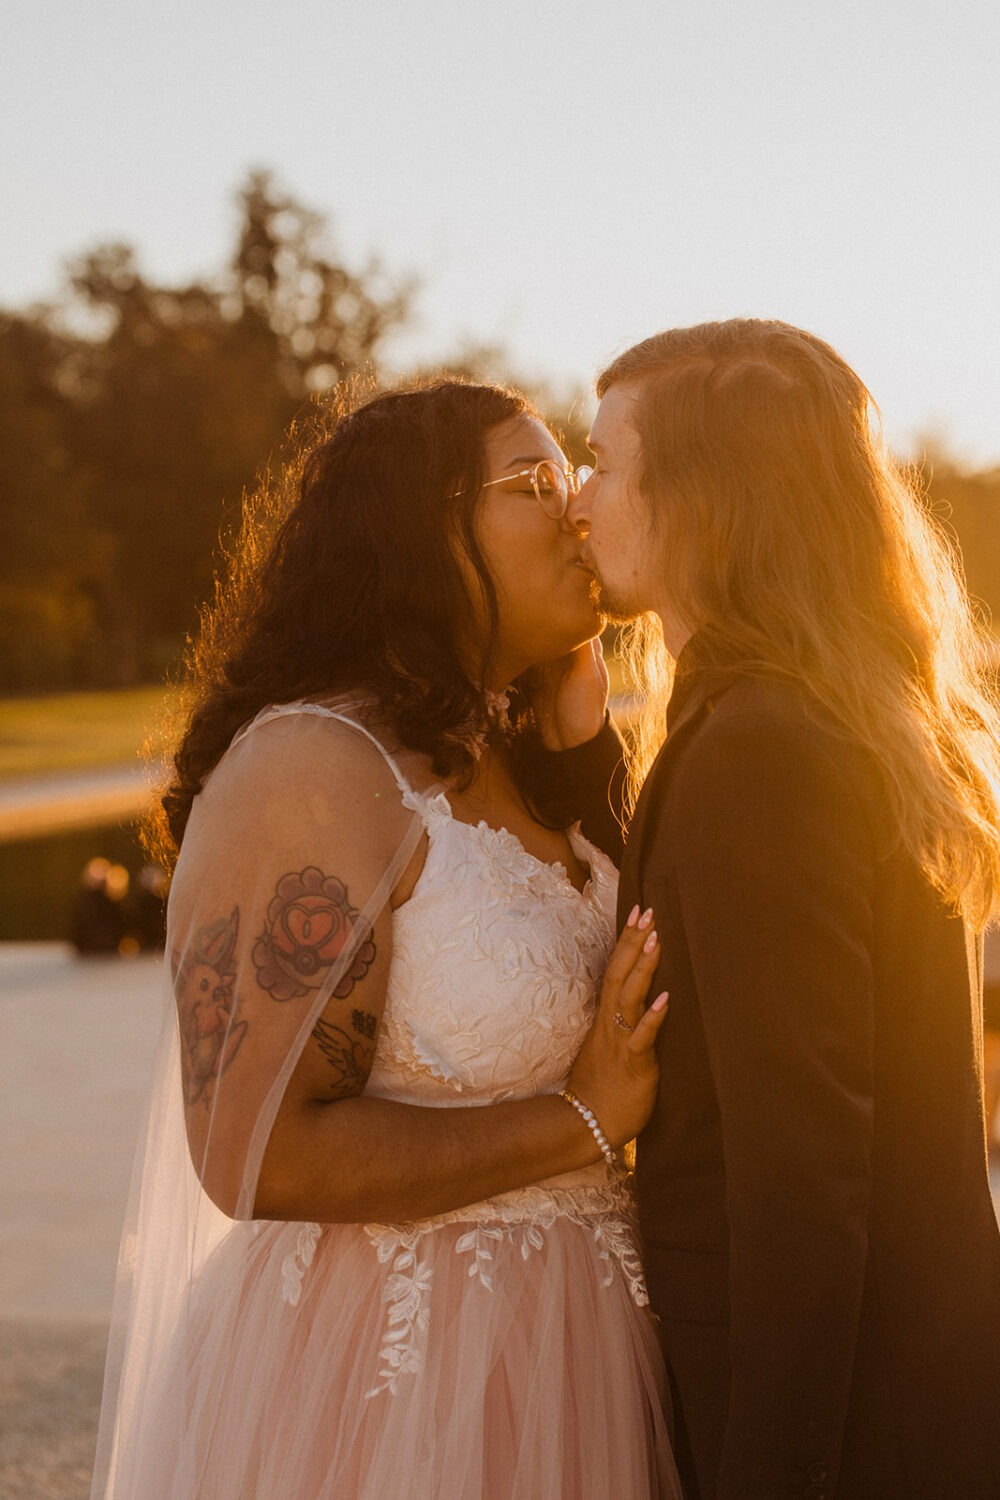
609, 607
575, 632
593, 622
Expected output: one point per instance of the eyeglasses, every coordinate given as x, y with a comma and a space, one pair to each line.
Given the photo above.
550, 484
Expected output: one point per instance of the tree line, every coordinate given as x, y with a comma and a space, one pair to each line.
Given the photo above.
134, 415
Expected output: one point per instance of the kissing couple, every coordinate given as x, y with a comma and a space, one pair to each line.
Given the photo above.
384, 1241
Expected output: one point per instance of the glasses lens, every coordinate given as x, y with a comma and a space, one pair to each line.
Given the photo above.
551, 489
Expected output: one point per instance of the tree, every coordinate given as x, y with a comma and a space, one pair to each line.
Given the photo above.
327, 321
134, 415
167, 409
968, 503
46, 610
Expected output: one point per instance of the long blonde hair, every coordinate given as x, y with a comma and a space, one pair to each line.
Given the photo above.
794, 542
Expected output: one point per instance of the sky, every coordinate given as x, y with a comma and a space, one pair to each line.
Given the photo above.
562, 177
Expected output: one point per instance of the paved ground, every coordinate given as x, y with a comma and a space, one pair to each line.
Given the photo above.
50, 1395
76, 1037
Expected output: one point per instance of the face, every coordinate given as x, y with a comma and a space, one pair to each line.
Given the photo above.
621, 546
611, 514
543, 589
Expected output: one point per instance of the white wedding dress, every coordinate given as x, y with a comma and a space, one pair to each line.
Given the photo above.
504, 1351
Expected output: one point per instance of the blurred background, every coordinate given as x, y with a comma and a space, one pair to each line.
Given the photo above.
212, 212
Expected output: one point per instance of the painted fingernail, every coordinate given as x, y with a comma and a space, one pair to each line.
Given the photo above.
660, 1003
650, 942
633, 916
646, 917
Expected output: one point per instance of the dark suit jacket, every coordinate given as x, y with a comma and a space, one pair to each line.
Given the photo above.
586, 783
820, 1239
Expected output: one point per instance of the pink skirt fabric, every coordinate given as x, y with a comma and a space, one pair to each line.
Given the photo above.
470, 1361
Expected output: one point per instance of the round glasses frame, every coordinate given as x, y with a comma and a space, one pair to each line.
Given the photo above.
551, 485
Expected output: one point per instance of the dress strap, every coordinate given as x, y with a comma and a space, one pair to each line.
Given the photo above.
404, 786
411, 797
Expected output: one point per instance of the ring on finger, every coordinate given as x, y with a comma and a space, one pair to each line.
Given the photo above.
621, 1021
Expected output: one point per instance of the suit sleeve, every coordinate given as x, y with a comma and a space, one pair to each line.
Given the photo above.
773, 859
585, 784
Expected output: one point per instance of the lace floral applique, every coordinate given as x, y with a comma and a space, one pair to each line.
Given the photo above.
518, 1220
294, 1266
489, 998
481, 1241
522, 1218
492, 1001
407, 1294
617, 1245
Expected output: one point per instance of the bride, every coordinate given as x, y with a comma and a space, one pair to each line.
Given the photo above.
381, 1244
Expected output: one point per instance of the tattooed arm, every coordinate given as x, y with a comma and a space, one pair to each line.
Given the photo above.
334, 1155
210, 1035
278, 863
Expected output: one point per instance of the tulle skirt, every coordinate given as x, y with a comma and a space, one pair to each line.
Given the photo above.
465, 1359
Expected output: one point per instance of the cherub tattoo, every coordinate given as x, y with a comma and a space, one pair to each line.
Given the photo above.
309, 921
203, 984
350, 1059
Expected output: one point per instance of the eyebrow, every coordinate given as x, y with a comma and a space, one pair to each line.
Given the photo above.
530, 458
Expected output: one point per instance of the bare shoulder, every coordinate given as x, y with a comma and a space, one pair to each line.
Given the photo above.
298, 768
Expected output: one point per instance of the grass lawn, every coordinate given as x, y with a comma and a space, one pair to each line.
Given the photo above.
70, 731
66, 731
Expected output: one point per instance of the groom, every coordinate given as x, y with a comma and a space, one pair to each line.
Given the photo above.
821, 1245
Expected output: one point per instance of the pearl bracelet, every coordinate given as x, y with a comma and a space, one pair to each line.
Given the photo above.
590, 1120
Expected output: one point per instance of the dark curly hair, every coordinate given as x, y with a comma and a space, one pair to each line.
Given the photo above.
344, 578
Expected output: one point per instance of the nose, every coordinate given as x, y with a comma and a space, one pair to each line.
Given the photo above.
578, 511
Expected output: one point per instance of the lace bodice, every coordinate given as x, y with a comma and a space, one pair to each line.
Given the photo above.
497, 960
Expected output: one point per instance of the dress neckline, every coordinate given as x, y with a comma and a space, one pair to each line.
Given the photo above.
556, 868
436, 795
